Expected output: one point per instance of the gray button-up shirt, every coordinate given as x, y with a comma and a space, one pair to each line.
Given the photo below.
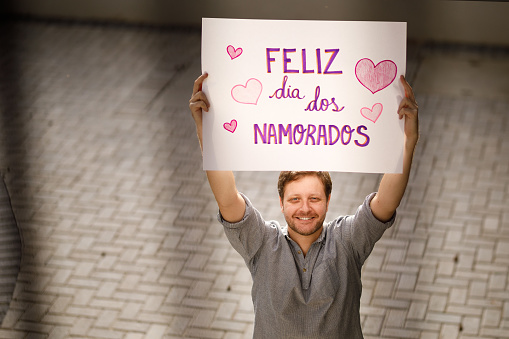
316, 296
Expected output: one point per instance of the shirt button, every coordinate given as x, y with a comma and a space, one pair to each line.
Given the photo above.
303, 270
300, 252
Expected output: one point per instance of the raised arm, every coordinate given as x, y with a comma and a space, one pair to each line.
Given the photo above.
230, 202
392, 187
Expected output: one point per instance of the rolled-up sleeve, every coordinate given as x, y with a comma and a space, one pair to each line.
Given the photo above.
363, 230
247, 235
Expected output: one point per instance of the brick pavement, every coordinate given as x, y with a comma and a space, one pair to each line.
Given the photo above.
118, 222
10, 251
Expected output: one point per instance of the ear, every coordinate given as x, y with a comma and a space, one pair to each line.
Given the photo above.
328, 201
281, 204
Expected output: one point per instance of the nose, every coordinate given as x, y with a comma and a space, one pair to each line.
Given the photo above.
305, 207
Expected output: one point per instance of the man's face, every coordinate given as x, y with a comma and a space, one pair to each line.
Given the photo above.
305, 205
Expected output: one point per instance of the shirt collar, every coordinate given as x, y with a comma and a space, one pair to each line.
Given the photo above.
320, 239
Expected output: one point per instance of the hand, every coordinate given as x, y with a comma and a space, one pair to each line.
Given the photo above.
409, 110
199, 103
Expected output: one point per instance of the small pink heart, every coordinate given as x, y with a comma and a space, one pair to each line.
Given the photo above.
232, 52
231, 126
248, 94
372, 114
375, 78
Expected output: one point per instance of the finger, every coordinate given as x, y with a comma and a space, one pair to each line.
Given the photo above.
198, 83
197, 106
407, 103
409, 93
407, 107
408, 112
200, 97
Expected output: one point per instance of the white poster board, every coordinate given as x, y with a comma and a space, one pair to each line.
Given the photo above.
303, 95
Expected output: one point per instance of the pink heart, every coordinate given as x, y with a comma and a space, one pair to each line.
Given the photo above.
372, 114
248, 94
230, 127
375, 78
232, 52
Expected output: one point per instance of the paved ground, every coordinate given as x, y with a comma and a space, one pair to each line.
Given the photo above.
118, 223
10, 251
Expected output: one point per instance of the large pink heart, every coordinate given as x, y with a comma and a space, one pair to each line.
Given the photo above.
372, 114
248, 94
375, 78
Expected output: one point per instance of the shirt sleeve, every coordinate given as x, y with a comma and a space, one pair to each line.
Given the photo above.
362, 230
247, 235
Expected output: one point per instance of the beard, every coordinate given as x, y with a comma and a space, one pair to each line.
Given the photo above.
307, 230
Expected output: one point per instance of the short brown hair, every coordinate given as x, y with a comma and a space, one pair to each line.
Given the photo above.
288, 176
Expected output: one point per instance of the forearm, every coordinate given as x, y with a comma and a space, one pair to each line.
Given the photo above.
230, 202
223, 186
392, 187
222, 183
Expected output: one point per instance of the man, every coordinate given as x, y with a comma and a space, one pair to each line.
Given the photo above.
307, 275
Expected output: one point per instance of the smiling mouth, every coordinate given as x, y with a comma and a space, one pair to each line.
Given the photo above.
302, 218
